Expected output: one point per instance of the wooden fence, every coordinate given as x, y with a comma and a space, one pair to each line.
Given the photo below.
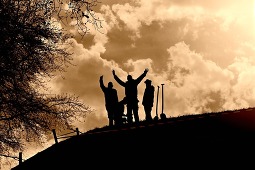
66, 135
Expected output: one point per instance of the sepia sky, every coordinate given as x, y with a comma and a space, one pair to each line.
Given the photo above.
202, 51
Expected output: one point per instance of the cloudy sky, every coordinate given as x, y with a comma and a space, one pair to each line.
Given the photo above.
202, 51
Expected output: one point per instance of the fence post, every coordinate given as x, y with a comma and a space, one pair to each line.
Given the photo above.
55, 135
77, 131
20, 157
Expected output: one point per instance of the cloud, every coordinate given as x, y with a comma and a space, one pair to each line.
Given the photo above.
213, 28
195, 84
145, 12
242, 92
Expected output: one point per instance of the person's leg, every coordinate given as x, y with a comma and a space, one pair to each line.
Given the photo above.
147, 113
149, 118
135, 110
110, 121
129, 113
118, 119
110, 115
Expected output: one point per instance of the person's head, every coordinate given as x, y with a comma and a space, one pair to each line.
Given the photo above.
110, 85
129, 77
147, 82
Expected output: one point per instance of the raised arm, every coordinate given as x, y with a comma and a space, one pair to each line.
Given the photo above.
102, 83
118, 79
140, 78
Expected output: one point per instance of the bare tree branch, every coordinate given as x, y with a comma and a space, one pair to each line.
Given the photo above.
32, 49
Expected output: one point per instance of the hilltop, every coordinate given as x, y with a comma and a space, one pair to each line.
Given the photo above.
214, 139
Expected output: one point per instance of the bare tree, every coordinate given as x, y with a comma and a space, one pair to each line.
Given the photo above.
31, 50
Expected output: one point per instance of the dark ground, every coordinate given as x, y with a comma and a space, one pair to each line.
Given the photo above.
223, 140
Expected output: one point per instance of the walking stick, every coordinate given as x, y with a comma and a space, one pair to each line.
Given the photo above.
162, 115
156, 117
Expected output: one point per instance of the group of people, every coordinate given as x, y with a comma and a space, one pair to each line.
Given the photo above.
115, 108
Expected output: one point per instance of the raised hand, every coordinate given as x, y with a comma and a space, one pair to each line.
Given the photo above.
113, 72
146, 70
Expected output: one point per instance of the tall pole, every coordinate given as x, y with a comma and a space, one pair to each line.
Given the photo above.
20, 158
77, 131
55, 135
162, 99
156, 117
162, 115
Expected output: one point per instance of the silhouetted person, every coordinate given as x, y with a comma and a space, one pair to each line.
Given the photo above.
111, 99
148, 99
118, 116
131, 94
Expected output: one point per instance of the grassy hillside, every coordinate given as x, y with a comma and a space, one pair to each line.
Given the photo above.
205, 140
